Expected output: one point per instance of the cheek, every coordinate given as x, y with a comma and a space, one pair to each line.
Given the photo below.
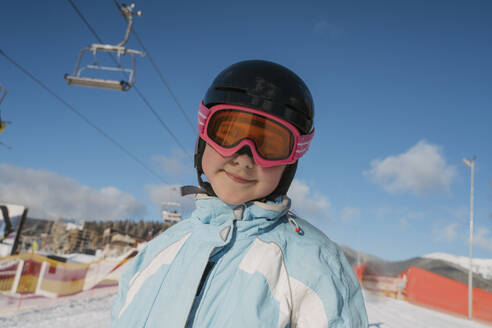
210, 161
205, 161
272, 175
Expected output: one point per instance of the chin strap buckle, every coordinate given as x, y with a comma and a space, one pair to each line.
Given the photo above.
192, 190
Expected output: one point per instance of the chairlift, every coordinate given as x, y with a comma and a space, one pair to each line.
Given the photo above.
119, 49
169, 211
3, 93
3, 124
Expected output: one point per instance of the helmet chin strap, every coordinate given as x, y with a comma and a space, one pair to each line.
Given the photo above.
206, 186
285, 182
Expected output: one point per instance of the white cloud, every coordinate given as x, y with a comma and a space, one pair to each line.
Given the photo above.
421, 169
350, 214
171, 193
483, 239
49, 195
457, 231
447, 233
178, 164
403, 214
307, 203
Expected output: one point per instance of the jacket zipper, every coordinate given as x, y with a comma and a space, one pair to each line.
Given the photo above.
198, 287
238, 215
205, 287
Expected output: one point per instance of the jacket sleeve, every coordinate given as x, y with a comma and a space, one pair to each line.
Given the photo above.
123, 285
330, 295
122, 302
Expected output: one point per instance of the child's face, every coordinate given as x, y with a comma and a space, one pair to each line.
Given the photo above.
237, 179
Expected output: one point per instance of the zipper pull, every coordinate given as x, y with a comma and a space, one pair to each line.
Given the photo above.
294, 224
238, 212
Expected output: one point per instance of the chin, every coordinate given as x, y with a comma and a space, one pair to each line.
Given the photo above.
233, 201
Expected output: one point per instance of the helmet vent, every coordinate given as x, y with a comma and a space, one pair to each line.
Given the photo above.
231, 89
291, 107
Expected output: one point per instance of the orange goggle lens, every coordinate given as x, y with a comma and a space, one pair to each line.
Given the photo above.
272, 140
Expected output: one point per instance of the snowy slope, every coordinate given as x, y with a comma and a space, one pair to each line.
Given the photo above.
88, 309
480, 266
385, 312
92, 311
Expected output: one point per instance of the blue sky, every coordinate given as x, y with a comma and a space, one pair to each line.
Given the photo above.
401, 89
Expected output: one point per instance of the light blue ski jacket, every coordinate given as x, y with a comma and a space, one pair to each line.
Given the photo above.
264, 273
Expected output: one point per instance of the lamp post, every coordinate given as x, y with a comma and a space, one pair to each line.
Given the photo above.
358, 247
471, 165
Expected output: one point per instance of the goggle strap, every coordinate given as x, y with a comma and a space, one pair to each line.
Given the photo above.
303, 143
203, 113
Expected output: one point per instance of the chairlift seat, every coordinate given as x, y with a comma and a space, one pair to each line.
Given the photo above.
120, 85
97, 83
119, 49
107, 48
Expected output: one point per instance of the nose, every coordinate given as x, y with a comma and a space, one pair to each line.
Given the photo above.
244, 158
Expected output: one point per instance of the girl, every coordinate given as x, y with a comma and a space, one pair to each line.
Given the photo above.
242, 259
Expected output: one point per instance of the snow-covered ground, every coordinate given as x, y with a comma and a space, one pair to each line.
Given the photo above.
385, 312
480, 266
91, 310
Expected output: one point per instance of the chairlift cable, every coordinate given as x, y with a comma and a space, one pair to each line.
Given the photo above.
82, 116
160, 120
3, 93
86, 22
163, 80
144, 99
161, 76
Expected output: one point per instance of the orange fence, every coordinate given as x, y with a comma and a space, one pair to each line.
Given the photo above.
30, 273
359, 271
427, 288
10, 273
389, 286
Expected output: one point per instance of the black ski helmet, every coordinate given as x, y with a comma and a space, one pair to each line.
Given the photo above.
266, 86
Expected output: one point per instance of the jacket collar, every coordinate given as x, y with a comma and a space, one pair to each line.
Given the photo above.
251, 216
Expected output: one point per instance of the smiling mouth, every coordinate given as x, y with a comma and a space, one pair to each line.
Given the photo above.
237, 178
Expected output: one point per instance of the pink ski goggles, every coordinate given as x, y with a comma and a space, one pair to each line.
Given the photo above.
272, 140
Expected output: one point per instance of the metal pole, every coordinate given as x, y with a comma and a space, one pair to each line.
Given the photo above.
358, 247
471, 165
470, 272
